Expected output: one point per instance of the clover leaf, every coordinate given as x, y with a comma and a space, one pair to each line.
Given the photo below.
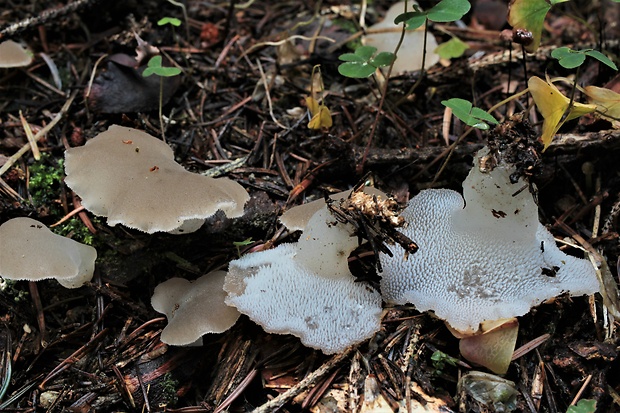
364, 62
154, 67
470, 115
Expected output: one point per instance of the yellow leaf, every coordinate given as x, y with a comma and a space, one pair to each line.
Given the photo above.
606, 100
313, 105
322, 119
552, 104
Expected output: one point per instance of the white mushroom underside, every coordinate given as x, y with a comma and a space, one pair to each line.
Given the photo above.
481, 262
284, 297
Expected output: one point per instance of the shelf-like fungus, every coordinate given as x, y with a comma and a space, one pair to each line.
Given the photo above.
13, 54
193, 308
483, 258
132, 178
30, 251
306, 288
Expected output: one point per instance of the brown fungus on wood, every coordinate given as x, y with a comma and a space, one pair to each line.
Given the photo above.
30, 251
131, 178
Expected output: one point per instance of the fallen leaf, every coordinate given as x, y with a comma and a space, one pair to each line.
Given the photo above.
552, 104
321, 116
530, 15
607, 103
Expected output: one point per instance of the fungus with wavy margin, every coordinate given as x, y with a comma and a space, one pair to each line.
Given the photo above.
131, 178
306, 288
30, 251
482, 257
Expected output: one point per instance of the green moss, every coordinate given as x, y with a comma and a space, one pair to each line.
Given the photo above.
169, 388
8, 287
44, 185
75, 229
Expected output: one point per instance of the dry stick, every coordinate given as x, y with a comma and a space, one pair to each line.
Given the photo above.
42, 18
581, 390
10, 191
30, 136
266, 85
237, 391
529, 346
15, 157
281, 400
73, 358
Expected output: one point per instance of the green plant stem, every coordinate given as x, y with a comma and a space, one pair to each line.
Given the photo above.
161, 109
508, 99
360, 168
422, 72
182, 6
450, 149
572, 97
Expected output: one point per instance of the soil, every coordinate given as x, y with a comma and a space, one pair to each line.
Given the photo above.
241, 97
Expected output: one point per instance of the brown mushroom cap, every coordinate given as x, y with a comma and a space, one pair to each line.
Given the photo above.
12, 54
30, 251
193, 308
131, 177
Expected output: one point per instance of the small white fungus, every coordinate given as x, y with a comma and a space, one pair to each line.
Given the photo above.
30, 251
306, 288
483, 258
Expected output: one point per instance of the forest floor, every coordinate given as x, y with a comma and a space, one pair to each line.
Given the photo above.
241, 98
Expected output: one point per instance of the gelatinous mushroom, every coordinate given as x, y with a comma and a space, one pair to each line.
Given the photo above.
131, 178
306, 288
30, 251
193, 308
481, 258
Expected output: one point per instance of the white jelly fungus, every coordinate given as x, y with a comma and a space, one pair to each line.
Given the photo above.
193, 308
481, 258
306, 288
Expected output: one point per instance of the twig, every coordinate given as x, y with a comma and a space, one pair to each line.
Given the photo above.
42, 18
529, 346
276, 403
63, 111
36, 299
33, 143
581, 390
266, 86
73, 358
